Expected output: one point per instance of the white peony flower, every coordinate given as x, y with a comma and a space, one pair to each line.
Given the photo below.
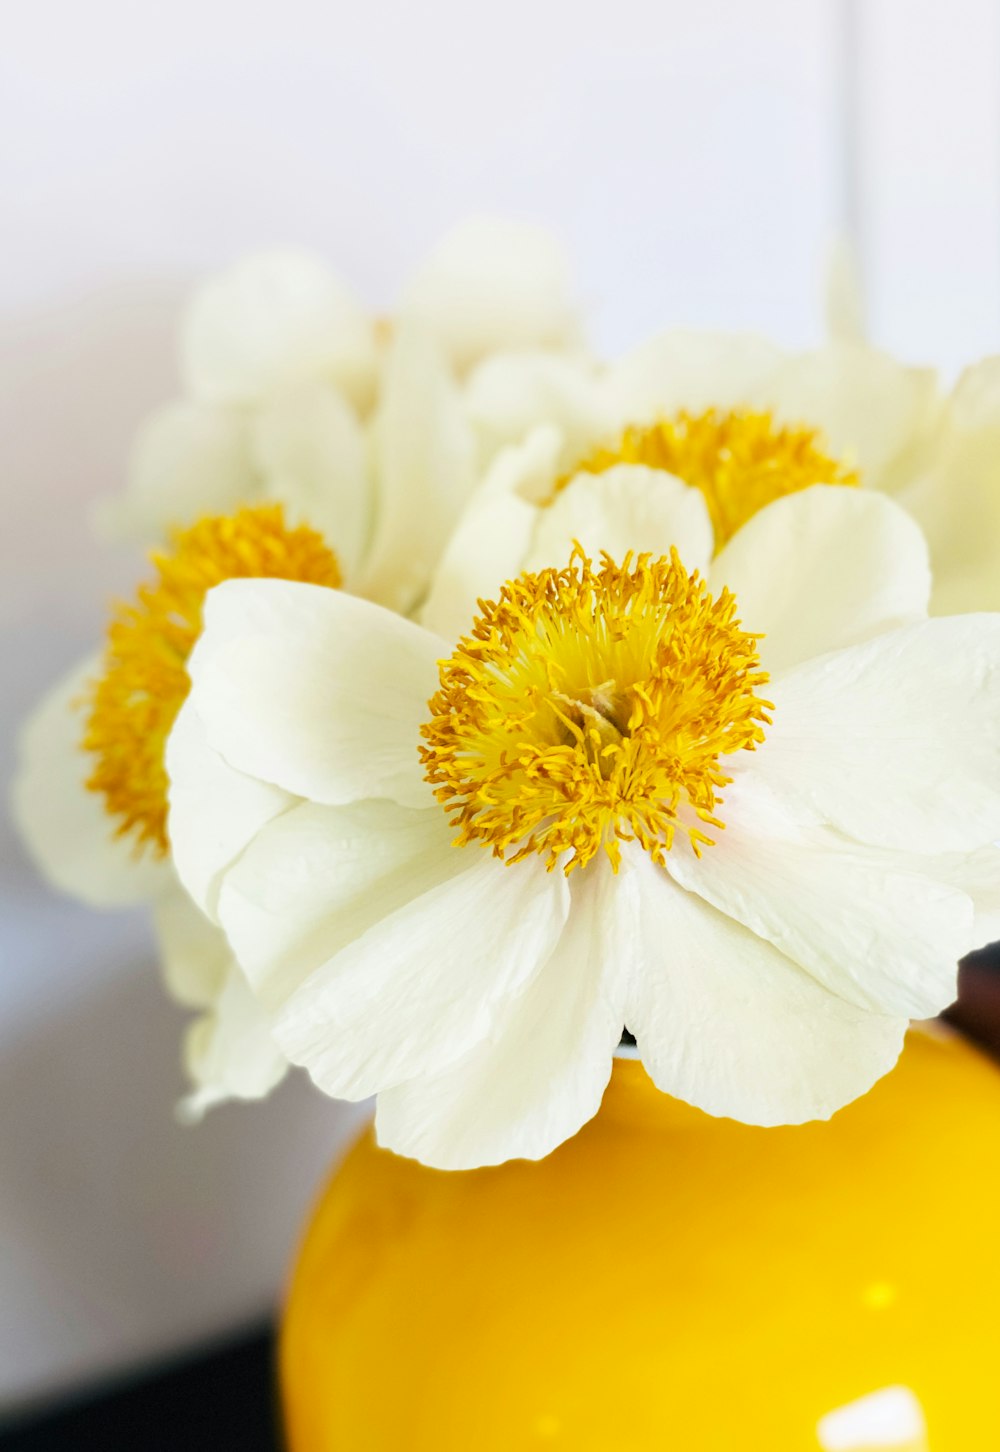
453, 874
293, 394
365, 486
732, 420
90, 791
742, 422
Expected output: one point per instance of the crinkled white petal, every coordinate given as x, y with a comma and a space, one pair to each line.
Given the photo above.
317, 878
311, 453
188, 459
271, 319
509, 394
822, 569
628, 508
427, 982
493, 284
893, 741
194, 954
869, 925
978, 874
870, 409
424, 463
229, 1052
689, 370
725, 1021
314, 690
491, 541
64, 826
542, 1072
215, 810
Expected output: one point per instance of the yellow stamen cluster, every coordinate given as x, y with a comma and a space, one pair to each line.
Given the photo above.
739, 461
593, 706
132, 706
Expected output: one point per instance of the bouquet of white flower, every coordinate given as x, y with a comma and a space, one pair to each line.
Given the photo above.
488, 701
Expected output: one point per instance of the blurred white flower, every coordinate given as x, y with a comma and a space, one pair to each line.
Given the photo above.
770, 849
728, 422
294, 394
90, 790
741, 422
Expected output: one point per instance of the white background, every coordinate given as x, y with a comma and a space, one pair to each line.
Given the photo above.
698, 159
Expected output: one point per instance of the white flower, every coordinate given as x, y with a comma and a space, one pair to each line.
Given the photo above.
732, 419
844, 412
600, 718
90, 791
229, 1050
365, 486
293, 394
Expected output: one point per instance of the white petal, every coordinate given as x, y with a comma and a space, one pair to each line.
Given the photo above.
188, 460
317, 878
978, 874
194, 954
64, 826
509, 394
869, 925
823, 569
871, 410
725, 1021
424, 455
627, 508
844, 304
488, 548
214, 810
896, 741
310, 450
316, 691
272, 319
229, 1052
690, 370
491, 284
956, 496
491, 541
975, 402
426, 983
542, 1072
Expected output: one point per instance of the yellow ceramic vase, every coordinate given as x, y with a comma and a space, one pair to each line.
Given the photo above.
668, 1281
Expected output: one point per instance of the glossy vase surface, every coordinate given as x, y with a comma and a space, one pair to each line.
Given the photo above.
668, 1282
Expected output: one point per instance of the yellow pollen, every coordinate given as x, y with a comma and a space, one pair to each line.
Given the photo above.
588, 707
132, 705
739, 461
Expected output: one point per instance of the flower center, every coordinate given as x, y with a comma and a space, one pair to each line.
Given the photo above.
132, 705
594, 706
739, 461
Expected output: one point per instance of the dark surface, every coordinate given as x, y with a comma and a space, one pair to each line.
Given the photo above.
977, 1012
223, 1399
